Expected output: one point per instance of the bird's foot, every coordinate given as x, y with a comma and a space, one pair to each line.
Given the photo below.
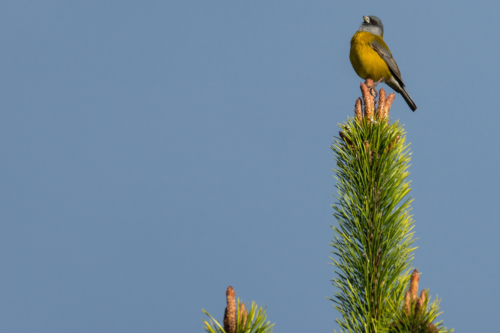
370, 85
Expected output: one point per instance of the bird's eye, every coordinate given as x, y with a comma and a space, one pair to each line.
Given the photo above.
374, 22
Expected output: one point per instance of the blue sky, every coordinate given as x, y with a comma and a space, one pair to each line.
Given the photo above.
156, 152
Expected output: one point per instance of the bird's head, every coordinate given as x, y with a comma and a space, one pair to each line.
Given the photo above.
373, 25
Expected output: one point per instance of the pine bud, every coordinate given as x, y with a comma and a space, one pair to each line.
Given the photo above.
243, 315
381, 104
414, 284
368, 100
421, 301
407, 302
230, 313
358, 112
388, 104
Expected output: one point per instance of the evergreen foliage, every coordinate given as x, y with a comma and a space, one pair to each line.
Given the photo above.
419, 320
373, 239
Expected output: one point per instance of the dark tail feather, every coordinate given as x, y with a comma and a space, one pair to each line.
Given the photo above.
408, 100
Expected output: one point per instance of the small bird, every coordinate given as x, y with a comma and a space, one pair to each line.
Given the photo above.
371, 58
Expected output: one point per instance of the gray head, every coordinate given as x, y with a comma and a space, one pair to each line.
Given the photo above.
373, 25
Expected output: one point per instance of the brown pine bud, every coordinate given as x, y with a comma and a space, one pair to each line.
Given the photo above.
388, 104
381, 104
358, 112
230, 313
421, 301
407, 302
243, 315
414, 284
368, 100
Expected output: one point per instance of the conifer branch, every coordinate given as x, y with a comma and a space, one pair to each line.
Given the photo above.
239, 319
373, 242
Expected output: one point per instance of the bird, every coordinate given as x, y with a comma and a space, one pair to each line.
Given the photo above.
371, 58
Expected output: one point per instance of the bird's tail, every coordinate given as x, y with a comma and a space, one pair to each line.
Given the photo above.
408, 100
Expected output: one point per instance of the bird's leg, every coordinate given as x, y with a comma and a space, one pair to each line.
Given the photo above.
372, 86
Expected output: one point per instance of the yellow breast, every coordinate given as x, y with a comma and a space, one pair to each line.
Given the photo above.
365, 61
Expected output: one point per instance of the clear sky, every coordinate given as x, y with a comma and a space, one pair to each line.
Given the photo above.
155, 152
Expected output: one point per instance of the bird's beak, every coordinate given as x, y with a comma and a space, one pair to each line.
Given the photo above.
367, 19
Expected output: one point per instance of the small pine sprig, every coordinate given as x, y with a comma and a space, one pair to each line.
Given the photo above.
417, 314
237, 319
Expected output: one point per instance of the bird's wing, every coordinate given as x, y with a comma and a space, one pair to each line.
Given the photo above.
386, 55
